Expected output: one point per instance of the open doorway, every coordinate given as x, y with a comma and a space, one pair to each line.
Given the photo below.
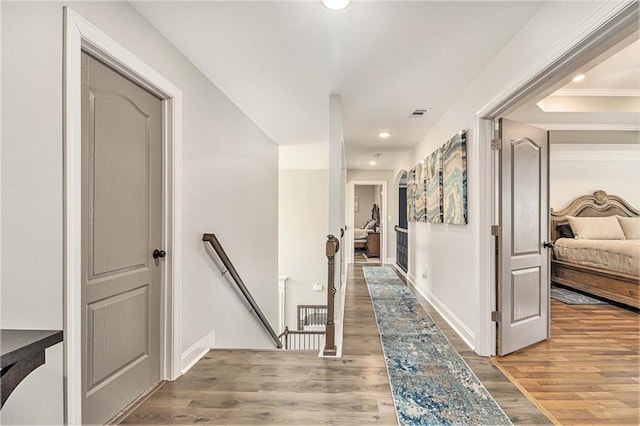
593, 130
368, 232
592, 50
594, 156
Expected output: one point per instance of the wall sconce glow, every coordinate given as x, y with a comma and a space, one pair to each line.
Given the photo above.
384, 135
336, 4
579, 77
372, 163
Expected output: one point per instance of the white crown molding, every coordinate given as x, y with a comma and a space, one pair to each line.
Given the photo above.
597, 156
585, 126
597, 92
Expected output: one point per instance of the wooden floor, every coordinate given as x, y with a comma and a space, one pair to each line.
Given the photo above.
276, 387
588, 372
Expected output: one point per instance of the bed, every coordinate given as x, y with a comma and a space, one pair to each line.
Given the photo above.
360, 234
595, 251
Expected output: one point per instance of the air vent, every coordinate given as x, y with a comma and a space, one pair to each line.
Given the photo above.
419, 113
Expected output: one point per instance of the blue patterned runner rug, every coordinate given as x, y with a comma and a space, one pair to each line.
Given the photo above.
430, 382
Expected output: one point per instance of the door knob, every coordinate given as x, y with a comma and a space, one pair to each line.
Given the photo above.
547, 245
159, 254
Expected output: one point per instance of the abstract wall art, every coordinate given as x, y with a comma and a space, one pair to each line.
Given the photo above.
433, 184
421, 192
411, 188
454, 179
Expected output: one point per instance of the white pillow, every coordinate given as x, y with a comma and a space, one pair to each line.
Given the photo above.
596, 228
371, 224
630, 226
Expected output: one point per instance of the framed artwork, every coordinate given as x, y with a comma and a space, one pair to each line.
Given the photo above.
421, 193
356, 204
411, 188
433, 184
454, 179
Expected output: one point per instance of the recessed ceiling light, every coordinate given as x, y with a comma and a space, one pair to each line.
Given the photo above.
384, 135
336, 4
579, 77
372, 163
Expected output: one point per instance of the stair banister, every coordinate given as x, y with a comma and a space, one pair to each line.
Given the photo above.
231, 270
332, 247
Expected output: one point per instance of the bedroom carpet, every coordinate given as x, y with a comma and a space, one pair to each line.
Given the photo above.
569, 297
431, 384
359, 257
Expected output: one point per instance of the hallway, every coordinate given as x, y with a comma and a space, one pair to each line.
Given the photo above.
274, 387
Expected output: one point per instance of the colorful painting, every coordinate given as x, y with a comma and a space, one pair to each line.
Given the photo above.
411, 188
421, 193
433, 184
454, 179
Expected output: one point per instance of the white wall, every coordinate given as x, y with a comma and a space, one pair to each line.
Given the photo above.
336, 190
365, 194
302, 228
391, 220
449, 254
577, 169
230, 188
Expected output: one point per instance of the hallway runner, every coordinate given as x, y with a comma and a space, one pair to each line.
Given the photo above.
431, 384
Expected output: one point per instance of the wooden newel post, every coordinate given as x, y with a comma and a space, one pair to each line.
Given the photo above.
332, 247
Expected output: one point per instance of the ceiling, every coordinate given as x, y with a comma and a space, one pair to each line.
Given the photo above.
280, 61
607, 99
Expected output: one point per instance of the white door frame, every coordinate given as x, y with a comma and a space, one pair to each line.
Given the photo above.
596, 34
383, 218
80, 35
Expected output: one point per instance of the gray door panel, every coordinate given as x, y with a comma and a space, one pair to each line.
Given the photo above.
121, 215
523, 282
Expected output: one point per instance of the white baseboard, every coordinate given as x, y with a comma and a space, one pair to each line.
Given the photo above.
458, 326
197, 351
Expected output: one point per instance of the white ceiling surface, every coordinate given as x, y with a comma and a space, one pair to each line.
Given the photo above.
280, 61
616, 77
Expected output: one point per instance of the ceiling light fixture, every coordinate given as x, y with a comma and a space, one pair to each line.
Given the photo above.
336, 4
384, 135
372, 163
579, 77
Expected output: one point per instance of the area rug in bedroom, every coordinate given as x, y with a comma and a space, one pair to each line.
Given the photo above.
359, 257
569, 297
431, 384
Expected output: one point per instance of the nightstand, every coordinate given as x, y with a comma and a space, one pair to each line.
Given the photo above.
373, 244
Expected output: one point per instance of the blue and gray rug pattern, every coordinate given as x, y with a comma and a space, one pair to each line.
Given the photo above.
570, 297
430, 382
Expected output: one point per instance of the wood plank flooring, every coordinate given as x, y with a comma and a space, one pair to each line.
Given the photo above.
588, 372
276, 387
519, 409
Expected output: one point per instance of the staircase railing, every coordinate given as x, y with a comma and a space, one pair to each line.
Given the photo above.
312, 316
231, 270
298, 340
332, 247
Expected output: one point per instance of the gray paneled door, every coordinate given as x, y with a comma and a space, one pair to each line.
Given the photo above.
121, 226
523, 281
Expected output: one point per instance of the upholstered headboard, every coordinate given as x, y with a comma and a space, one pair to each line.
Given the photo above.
598, 204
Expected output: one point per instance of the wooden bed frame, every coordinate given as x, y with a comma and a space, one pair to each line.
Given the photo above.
616, 286
375, 215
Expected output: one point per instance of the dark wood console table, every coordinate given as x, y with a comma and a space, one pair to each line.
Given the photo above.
22, 352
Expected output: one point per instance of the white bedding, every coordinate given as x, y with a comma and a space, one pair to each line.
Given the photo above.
360, 234
613, 255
